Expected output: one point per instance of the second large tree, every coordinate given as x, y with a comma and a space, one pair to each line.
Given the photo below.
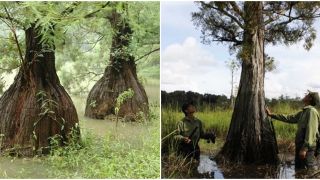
119, 76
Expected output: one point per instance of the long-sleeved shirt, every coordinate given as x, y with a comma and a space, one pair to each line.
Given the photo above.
185, 128
308, 123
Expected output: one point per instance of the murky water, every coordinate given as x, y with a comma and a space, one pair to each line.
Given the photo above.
22, 168
133, 133
208, 168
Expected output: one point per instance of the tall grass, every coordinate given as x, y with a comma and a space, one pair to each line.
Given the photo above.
107, 157
219, 120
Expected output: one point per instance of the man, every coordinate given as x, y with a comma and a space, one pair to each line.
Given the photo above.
189, 133
307, 133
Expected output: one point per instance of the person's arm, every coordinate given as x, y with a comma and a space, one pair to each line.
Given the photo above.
284, 118
178, 135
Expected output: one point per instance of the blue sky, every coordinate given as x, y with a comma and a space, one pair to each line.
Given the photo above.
187, 64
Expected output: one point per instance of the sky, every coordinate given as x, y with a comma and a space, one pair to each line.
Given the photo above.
187, 64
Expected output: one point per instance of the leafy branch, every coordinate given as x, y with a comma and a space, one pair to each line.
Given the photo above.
121, 99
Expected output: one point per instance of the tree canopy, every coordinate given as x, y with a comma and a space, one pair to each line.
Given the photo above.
284, 22
81, 36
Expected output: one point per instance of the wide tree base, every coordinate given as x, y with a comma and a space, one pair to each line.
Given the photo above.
102, 97
245, 149
32, 112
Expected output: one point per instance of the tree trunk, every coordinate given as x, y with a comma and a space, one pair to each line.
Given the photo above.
119, 76
36, 107
251, 138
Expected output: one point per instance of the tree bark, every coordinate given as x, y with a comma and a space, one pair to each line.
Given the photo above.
36, 107
119, 76
250, 137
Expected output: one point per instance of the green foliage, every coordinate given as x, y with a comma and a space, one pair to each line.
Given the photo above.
124, 96
108, 157
283, 23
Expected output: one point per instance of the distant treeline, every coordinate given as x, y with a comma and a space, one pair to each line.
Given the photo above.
177, 98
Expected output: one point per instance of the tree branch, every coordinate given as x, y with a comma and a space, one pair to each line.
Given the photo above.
13, 29
92, 14
236, 8
2, 16
147, 54
70, 9
223, 12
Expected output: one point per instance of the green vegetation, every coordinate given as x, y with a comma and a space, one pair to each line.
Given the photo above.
111, 156
82, 38
218, 120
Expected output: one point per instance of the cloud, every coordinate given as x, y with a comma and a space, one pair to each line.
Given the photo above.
297, 71
188, 66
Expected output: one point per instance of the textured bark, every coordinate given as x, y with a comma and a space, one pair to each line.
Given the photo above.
251, 138
119, 76
20, 106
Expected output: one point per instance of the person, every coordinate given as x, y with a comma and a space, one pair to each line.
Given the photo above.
189, 132
307, 132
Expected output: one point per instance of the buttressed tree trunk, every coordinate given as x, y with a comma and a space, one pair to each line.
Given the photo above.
250, 138
119, 76
36, 106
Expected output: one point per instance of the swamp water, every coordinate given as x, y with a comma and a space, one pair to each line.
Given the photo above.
34, 168
208, 168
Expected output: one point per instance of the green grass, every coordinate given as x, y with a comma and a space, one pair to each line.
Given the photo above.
219, 120
108, 157
130, 150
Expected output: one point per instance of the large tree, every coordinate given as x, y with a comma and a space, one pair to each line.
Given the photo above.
121, 73
36, 107
246, 27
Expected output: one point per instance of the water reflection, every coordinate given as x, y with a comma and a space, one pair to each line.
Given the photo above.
286, 171
209, 168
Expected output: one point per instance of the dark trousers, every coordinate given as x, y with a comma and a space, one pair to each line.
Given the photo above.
309, 162
189, 151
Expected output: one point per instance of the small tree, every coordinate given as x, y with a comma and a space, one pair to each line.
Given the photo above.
233, 65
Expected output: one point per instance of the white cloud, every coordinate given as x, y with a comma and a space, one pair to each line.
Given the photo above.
297, 71
188, 66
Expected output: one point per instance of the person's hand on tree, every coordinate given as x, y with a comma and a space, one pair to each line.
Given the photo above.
303, 154
269, 113
187, 140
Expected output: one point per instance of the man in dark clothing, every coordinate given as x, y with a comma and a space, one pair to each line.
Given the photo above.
189, 133
306, 136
